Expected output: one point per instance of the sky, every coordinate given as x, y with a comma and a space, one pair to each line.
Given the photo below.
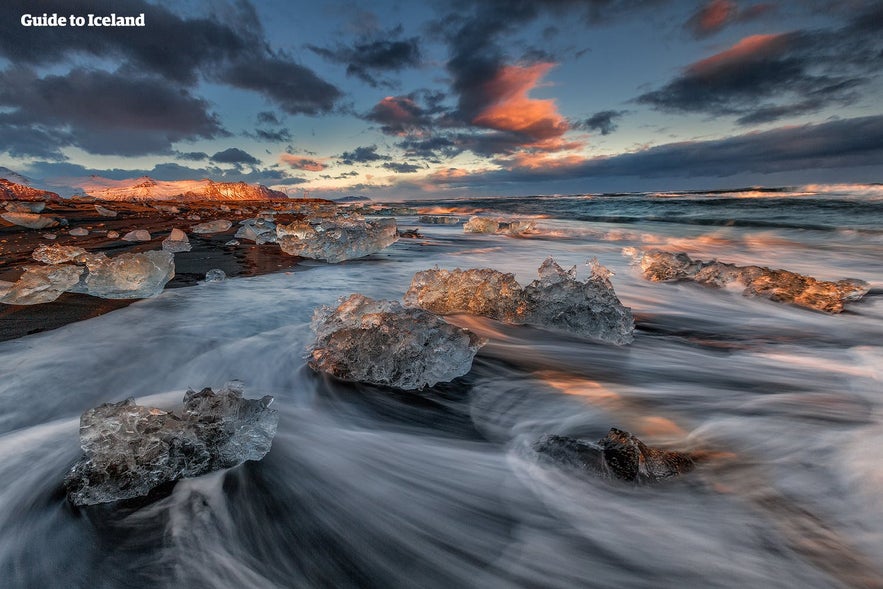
410, 99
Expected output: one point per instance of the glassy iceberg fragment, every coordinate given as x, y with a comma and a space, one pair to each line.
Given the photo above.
177, 241
57, 254
380, 342
216, 226
215, 275
128, 276
557, 300
105, 212
258, 230
500, 226
42, 284
618, 455
439, 220
79, 232
130, 449
336, 240
777, 285
30, 220
137, 235
25, 206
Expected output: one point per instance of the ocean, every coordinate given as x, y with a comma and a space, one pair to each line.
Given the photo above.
368, 487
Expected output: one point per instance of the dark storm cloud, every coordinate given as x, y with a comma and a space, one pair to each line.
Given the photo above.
270, 135
767, 77
836, 144
402, 167
99, 112
191, 156
429, 148
268, 117
234, 155
362, 155
370, 56
166, 58
604, 121
416, 112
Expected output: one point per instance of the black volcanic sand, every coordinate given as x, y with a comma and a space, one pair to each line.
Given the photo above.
207, 252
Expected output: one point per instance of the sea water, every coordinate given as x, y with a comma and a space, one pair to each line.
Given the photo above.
368, 487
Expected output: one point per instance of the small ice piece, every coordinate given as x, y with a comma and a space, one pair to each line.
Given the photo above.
215, 275
380, 342
50, 236
42, 284
129, 275
194, 218
498, 225
177, 241
439, 220
105, 212
57, 254
113, 234
258, 230
130, 449
232, 243
556, 301
25, 207
336, 240
777, 285
137, 235
619, 455
30, 220
79, 232
216, 226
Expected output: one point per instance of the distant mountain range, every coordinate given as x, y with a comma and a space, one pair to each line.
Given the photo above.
352, 198
15, 187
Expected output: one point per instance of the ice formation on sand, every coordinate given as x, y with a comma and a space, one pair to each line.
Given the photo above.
502, 226
557, 300
127, 276
777, 285
215, 226
258, 230
130, 449
25, 207
41, 284
619, 455
30, 220
79, 232
215, 275
57, 254
104, 212
177, 241
137, 235
380, 342
338, 239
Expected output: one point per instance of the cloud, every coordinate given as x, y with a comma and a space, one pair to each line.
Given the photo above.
402, 167
268, 117
717, 14
603, 121
270, 135
234, 155
193, 156
362, 155
839, 144
400, 115
299, 162
766, 77
228, 46
371, 55
99, 112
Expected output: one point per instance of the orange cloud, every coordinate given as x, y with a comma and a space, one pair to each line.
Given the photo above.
299, 162
511, 109
537, 161
714, 15
753, 47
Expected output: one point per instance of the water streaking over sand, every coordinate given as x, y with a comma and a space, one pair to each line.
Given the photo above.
365, 487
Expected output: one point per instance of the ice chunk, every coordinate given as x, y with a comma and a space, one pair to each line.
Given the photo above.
113, 234
777, 285
30, 220
498, 225
439, 220
49, 236
130, 449
556, 301
79, 232
479, 291
105, 212
619, 455
587, 309
128, 276
177, 241
258, 230
336, 240
232, 243
137, 235
216, 226
380, 342
57, 254
42, 284
25, 207
215, 275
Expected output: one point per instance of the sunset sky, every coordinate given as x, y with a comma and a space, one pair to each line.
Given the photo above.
417, 99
